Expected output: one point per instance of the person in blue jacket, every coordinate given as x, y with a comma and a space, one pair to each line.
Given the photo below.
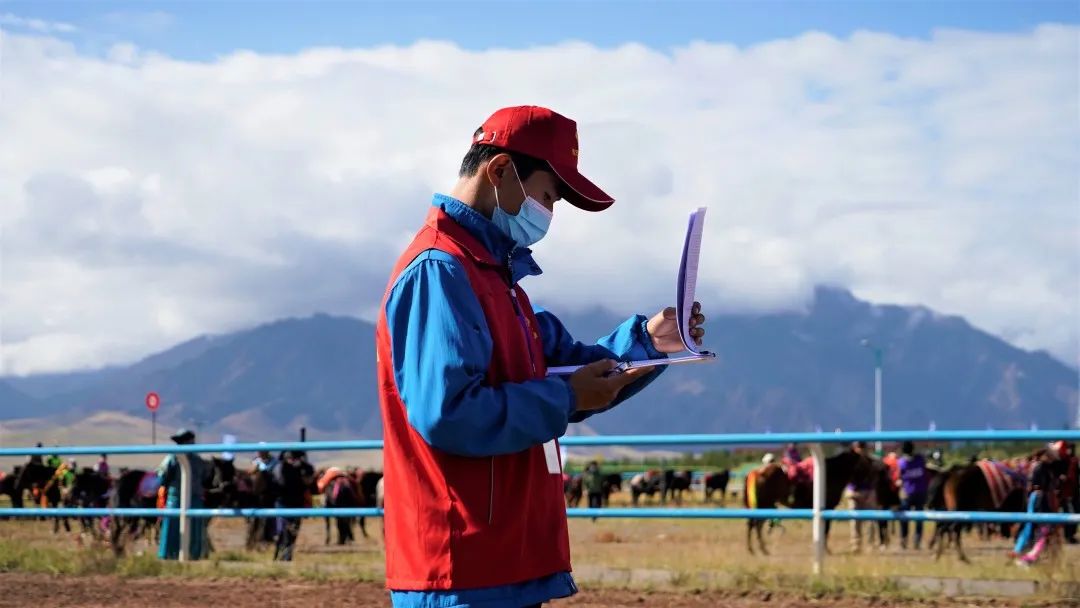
431, 311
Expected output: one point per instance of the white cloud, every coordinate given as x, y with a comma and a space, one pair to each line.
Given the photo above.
146, 198
36, 25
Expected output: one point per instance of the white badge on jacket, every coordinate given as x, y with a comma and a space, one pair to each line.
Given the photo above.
551, 454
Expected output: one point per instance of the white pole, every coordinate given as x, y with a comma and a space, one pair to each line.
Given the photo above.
877, 401
818, 523
185, 504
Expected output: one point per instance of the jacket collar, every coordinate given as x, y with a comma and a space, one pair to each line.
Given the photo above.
491, 245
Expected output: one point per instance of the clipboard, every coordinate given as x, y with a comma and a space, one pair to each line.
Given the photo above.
684, 304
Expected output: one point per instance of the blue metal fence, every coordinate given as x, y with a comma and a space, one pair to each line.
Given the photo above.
818, 515
761, 439
610, 513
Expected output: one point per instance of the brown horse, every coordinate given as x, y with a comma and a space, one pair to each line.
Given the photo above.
772, 488
964, 488
572, 491
888, 497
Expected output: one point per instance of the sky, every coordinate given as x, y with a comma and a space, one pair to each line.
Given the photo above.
173, 169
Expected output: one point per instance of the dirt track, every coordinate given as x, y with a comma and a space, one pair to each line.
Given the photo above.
44, 591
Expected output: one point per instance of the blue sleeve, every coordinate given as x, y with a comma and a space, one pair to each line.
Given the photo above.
629, 342
442, 348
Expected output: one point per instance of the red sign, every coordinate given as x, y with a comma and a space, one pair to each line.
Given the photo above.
152, 401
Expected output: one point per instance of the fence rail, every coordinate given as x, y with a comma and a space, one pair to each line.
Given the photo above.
577, 441
818, 515
610, 512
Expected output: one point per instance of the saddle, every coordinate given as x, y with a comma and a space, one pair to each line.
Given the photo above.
330, 475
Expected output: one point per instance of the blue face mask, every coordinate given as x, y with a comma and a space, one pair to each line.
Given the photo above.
529, 225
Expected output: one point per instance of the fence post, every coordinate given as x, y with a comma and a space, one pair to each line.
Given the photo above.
818, 523
185, 504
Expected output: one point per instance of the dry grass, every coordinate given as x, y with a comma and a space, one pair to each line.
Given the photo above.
686, 547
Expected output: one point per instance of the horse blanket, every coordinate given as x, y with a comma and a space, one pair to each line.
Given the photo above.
751, 489
148, 485
800, 472
1001, 480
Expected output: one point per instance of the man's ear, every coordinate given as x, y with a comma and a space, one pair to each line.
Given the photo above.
496, 168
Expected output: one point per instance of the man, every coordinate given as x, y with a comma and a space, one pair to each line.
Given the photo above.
169, 474
792, 456
36, 458
293, 477
937, 462
262, 462
54, 462
593, 482
102, 466
1042, 498
859, 495
262, 529
1070, 486
914, 482
470, 418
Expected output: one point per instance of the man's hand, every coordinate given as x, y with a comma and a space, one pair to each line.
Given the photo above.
664, 329
595, 391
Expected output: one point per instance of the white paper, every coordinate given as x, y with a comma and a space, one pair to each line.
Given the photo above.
551, 455
684, 301
688, 270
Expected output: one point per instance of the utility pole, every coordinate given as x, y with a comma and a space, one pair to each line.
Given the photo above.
878, 365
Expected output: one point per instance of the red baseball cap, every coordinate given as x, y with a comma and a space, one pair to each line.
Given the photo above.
549, 136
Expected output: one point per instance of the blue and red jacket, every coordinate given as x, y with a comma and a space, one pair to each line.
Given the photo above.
473, 508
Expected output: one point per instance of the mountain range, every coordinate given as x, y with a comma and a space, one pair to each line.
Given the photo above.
791, 371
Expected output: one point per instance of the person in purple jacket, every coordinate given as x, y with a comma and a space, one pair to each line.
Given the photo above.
914, 482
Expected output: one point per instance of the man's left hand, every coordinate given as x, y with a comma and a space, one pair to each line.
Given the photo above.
664, 329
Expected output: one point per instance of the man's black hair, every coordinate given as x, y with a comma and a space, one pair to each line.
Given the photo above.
908, 448
479, 153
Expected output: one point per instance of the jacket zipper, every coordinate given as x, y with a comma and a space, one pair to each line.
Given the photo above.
524, 322
491, 496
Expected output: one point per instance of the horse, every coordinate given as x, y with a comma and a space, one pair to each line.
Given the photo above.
716, 482
8, 487
368, 485
965, 488
134, 488
573, 490
90, 490
612, 483
675, 483
339, 492
380, 501
647, 483
887, 494
770, 486
39, 480
225, 487
262, 493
